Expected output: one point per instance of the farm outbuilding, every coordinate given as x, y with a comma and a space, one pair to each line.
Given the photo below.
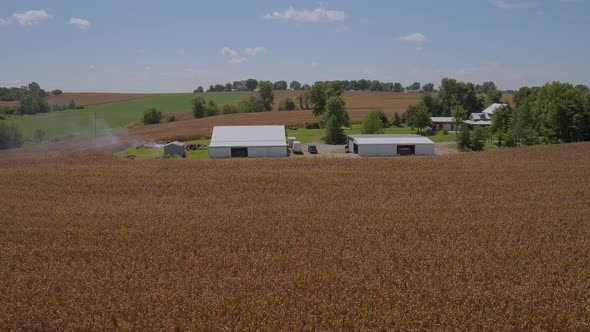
390, 145
174, 149
444, 122
248, 142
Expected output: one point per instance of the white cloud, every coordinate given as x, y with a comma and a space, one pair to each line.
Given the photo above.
255, 51
228, 52
238, 60
31, 17
27, 18
414, 37
503, 4
305, 15
79, 22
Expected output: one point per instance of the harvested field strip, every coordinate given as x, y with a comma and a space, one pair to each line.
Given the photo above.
479, 241
95, 98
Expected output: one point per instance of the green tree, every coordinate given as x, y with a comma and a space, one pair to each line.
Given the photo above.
418, 117
152, 116
320, 93
494, 96
27, 105
333, 131
414, 86
266, 94
428, 88
251, 84
372, 124
212, 109
398, 87
252, 104
199, 106
397, 120
501, 123
477, 139
464, 140
280, 85
294, 85
459, 114
199, 89
56, 92
335, 107
10, 136
228, 87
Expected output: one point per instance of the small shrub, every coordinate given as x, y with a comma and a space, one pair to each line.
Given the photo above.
152, 116
229, 109
39, 136
312, 125
287, 105
171, 118
445, 132
10, 136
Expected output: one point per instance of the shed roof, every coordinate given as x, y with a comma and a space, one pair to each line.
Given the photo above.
247, 136
177, 143
390, 139
442, 119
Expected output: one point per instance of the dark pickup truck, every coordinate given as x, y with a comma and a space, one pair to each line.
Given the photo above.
312, 149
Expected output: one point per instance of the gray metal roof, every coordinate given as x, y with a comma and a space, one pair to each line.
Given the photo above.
177, 143
390, 139
442, 119
247, 136
478, 123
493, 108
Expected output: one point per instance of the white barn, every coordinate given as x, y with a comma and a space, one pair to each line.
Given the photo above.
390, 145
248, 142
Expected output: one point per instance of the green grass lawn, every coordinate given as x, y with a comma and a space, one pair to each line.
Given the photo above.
155, 153
315, 135
73, 123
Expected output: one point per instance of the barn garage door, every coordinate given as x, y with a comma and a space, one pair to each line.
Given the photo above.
239, 152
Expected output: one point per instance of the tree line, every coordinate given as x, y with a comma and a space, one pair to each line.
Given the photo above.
31, 100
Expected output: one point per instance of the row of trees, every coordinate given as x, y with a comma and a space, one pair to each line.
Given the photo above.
33, 89
261, 103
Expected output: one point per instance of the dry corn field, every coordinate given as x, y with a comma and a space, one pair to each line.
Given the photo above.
498, 240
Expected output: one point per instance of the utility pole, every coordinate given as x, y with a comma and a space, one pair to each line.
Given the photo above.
94, 123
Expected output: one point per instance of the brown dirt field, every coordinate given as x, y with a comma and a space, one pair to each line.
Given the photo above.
95, 98
94, 242
365, 101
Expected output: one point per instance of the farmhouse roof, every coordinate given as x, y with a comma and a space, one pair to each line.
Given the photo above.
493, 108
248, 136
390, 139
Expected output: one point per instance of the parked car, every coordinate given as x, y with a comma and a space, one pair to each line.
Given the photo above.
312, 149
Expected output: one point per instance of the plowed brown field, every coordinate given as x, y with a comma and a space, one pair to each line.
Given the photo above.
498, 240
92, 98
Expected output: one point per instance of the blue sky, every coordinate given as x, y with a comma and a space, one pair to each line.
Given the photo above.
174, 46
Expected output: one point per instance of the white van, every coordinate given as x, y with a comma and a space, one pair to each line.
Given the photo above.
297, 148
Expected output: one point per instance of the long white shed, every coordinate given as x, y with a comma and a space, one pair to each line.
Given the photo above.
248, 142
390, 145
